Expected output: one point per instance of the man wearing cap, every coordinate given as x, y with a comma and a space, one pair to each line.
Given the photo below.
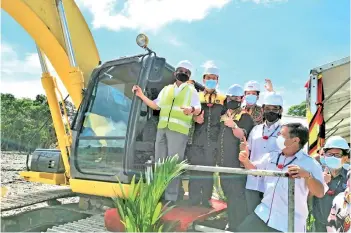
271, 215
335, 157
178, 103
252, 92
203, 146
262, 140
235, 126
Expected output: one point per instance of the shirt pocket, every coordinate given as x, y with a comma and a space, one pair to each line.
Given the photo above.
272, 144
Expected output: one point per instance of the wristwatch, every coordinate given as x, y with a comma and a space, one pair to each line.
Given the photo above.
235, 126
192, 109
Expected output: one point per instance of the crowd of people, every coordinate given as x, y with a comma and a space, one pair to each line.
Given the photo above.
230, 129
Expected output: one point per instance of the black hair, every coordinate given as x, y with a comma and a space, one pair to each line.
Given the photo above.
185, 68
258, 92
298, 130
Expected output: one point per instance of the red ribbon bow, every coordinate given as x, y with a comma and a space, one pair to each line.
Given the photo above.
265, 137
331, 192
280, 166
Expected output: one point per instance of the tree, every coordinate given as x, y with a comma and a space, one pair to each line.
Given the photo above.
26, 124
298, 110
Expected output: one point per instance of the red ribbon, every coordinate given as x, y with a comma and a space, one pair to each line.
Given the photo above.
265, 137
280, 166
331, 192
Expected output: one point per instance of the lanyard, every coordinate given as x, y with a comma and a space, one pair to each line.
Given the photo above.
267, 137
281, 166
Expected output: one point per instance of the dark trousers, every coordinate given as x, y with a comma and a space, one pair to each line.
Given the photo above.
200, 183
254, 224
234, 191
253, 199
320, 227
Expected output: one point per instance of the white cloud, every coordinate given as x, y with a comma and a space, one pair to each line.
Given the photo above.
175, 42
209, 63
147, 15
264, 1
22, 76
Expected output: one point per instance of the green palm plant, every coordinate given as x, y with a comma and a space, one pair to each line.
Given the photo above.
141, 210
217, 187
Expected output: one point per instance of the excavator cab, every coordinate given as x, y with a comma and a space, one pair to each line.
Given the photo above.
114, 131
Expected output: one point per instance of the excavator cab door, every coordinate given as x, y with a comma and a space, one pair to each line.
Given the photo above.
115, 132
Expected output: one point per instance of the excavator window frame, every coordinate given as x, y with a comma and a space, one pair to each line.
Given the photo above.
148, 62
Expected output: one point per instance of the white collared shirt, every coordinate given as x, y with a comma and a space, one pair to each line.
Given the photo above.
273, 209
258, 147
195, 99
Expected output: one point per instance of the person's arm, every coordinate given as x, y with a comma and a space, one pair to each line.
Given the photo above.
260, 164
151, 104
314, 178
244, 127
195, 102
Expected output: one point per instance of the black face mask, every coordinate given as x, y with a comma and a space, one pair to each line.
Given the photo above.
271, 116
233, 104
182, 77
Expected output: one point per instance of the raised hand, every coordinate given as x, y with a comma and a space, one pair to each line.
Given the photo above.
137, 91
268, 85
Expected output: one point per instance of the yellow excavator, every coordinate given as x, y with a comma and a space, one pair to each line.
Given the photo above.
112, 135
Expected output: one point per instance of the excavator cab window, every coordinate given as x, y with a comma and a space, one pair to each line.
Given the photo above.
115, 132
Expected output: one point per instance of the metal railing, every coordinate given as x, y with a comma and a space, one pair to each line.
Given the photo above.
240, 171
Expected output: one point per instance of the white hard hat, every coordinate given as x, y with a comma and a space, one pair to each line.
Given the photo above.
252, 86
185, 64
273, 98
211, 70
336, 142
235, 90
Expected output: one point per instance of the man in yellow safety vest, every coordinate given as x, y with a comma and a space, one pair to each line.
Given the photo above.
178, 103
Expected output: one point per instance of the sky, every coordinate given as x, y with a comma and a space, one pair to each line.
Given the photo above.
246, 39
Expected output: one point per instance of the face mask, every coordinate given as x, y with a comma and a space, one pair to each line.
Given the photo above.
333, 162
346, 166
281, 142
271, 116
251, 99
322, 159
211, 84
182, 77
233, 104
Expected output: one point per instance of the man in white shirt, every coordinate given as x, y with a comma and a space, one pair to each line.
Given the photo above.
262, 140
178, 103
272, 213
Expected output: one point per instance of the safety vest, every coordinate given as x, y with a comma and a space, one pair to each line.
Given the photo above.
171, 114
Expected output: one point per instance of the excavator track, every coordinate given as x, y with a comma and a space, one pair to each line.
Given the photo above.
94, 223
23, 200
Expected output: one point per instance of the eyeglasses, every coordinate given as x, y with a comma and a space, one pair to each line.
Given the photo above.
271, 109
235, 98
332, 155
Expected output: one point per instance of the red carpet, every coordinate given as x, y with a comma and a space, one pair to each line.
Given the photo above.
185, 215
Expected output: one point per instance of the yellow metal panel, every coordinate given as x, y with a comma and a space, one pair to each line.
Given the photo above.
40, 19
43, 177
45, 11
98, 188
104, 189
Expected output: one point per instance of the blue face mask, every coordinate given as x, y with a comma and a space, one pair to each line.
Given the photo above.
251, 99
210, 84
333, 162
